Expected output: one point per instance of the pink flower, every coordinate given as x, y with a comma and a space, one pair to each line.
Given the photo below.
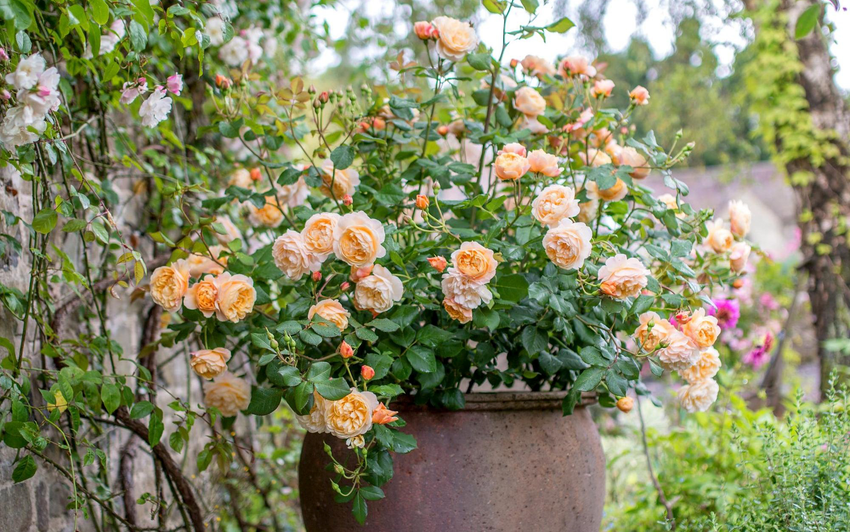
175, 84
3, 55
583, 119
132, 90
768, 302
602, 88
425, 30
514, 147
761, 354
728, 312
639, 95
5, 95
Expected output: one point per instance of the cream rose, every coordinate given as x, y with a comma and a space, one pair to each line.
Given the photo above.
315, 420
568, 244
553, 204
292, 257
475, 261
210, 363
719, 239
352, 415
639, 96
670, 201
228, 393
615, 193
653, 331
537, 66
331, 310
358, 239
629, 156
295, 194
510, 166
679, 352
341, 182
241, 178
705, 368
740, 218
544, 163
236, 296
270, 215
738, 256
697, 397
201, 264
463, 291
169, 284
595, 158
457, 311
379, 291
455, 39
202, 296
529, 102
231, 232
318, 234
702, 329
577, 66
622, 277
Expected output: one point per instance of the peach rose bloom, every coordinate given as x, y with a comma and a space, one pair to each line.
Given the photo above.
615, 193
294, 195
210, 363
602, 138
231, 232
537, 66
670, 201
553, 204
719, 239
463, 291
318, 234
629, 156
241, 178
587, 210
678, 353
292, 257
639, 95
236, 297
228, 393
702, 329
383, 415
424, 30
315, 420
623, 277
457, 312
510, 166
352, 415
202, 296
331, 310
169, 284
270, 215
455, 38
697, 397
653, 331
379, 291
543, 163
342, 182
739, 218
577, 66
514, 147
358, 239
475, 261
532, 124
705, 368
595, 158
201, 264
568, 244
529, 102
438, 263
739, 256
602, 88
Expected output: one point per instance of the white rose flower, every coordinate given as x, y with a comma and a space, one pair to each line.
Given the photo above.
235, 52
26, 74
463, 290
378, 291
156, 108
215, 31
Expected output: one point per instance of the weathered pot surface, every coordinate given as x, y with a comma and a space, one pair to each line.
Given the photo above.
508, 462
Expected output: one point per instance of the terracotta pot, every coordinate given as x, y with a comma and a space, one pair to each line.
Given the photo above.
508, 462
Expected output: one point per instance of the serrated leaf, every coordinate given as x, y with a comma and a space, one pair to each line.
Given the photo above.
422, 359
141, 409
342, 157
264, 401
589, 379
383, 324
333, 389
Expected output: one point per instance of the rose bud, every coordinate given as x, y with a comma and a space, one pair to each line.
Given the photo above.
625, 404
3, 55
222, 82
345, 350
345, 286
256, 174
367, 373
5, 95
424, 30
438, 263
737, 283
514, 63
358, 274
324, 97
443, 130
379, 123
422, 202
317, 276
383, 415
347, 200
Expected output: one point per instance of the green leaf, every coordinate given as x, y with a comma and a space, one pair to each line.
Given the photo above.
155, 428
230, 130
264, 401
432, 336
141, 409
642, 304
100, 11
138, 36
479, 61
372, 493
561, 26
534, 340
512, 287
74, 225
494, 6
808, 20
281, 375
175, 441
358, 508
383, 324
333, 389
111, 397
342, 157
422, 359
143, 7
486, 317
530, 5
25, 469
17, 11
591, 355
318, 372
589, 379
45, 221
325, 329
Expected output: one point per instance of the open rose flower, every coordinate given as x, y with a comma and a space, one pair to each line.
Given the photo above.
679, 352
719, 239
738, 256
318, 234
358, 239
352, 415
577, 66
457, 311
331, 310
292, 256
514, 147
202, 296
602, 88
269, 215
455, 39
553, 204
315, 421
463, 291
228, 393
639, 96
338, 183
595, 158
653, 331
236, 297
529, 102
210, 363
537, 66
623, 277
568, 244
702, 329
379, 291
543, 163
169, 284
383, 415
699, 396
510, 166
475, 261
629, 156
614, 193
202, 264
705, 368
740, 218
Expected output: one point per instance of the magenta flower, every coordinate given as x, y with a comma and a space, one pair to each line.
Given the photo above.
728, 312
761, 354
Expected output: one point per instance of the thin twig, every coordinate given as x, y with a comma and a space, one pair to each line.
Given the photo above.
652, 476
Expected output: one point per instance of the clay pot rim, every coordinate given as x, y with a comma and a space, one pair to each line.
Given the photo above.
500, 401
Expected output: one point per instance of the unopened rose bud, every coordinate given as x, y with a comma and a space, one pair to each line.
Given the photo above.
367, 373
223, 82
256, 175
345, 350
3, 55
443, 130
324, 97
683, 317
514, 63
438, 263
624, 130
425, 30
347, 200
339, 469
379, 124
625, 404
311, 90
317, 276
345, 286
422, 202
358, 274
5, 95
273, 343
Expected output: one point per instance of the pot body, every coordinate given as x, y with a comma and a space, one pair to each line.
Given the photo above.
508, 462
